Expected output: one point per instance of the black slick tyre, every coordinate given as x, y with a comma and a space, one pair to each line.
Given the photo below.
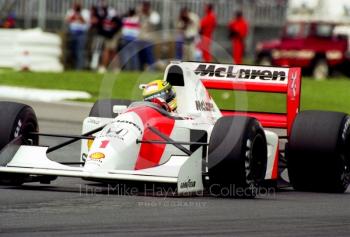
237, 157
318, 153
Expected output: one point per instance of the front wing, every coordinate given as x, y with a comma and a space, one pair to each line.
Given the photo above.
183, 171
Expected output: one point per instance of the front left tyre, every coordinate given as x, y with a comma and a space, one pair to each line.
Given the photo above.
17, 122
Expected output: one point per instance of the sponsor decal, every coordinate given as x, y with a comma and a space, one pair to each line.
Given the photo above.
115, 132
129, 122
151, 88
204, 106
104, 143
188, 184
97, 156
93, 121
89, 143
18, 128
240, 73
293, 85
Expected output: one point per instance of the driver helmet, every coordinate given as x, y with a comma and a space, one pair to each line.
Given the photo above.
159, 90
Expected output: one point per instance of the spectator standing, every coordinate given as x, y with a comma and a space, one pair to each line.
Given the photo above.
111, 32
130, 33
238, 29
96, 18
207, 27
149, 20
188, 28
77, 20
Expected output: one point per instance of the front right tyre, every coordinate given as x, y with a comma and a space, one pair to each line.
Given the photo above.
237, 158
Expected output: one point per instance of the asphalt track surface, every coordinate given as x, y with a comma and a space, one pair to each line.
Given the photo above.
74, 207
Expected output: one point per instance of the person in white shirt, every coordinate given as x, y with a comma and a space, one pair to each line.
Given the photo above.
78, 25
149, 20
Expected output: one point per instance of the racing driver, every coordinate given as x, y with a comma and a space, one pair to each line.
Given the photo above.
162, 93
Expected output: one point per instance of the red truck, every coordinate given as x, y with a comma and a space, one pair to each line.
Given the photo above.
313, 45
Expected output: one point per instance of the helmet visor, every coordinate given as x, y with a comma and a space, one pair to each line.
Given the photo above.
167, 95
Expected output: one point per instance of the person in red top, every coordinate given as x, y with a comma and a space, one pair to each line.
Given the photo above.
238, 28
207, 27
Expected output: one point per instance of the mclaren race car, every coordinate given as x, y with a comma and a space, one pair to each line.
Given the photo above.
198, 148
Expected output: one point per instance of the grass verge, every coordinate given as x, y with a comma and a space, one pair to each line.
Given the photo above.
332, 94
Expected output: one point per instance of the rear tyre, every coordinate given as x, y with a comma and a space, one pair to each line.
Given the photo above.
318, 152
16, 120
320, 70
237, 157
104, 108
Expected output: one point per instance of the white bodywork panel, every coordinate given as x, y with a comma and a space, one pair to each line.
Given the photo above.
272, 152
89, 124
191, 93
177, 170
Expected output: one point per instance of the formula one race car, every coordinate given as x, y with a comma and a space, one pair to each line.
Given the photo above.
197, 148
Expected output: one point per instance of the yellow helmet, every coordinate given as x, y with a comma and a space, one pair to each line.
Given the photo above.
160, 89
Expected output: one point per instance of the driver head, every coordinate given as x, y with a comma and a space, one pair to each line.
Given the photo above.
162, 90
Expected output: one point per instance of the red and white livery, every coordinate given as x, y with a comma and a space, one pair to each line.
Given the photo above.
200, 147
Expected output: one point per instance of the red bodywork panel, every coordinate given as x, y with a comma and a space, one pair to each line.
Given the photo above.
151, 154
292, 89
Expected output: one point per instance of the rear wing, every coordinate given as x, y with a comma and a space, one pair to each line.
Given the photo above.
255, 79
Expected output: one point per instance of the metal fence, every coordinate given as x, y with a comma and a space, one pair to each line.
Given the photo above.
265, 17
49, 14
